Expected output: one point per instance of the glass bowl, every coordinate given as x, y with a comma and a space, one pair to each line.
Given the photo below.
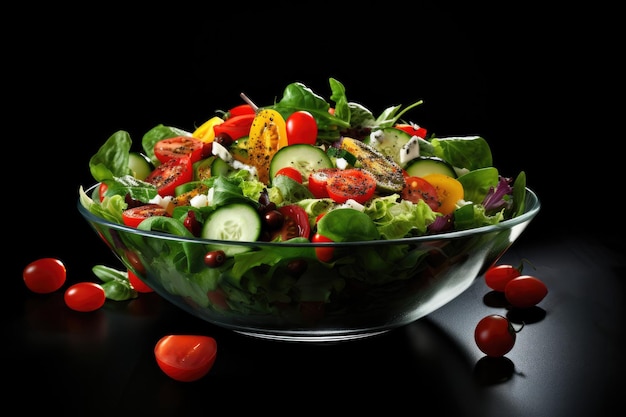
280, 291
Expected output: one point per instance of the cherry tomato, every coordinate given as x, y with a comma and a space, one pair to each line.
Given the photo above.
290, 172
135, 215
318, 180
177, 147
137, 284
295, 223
169, 175
525, 291
498, 276
236, 127
301, 128
494, 335
323, 253
354, 184
412, 129
185, 358
85, 296
417, 188
44, 275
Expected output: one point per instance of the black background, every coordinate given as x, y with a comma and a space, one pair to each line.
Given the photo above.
518, 75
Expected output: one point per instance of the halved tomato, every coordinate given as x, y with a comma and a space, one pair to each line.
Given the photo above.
449, 191
417, 188
135, 215
169, 175
177, 147
318, 179
351, 184
295, 223
290, 172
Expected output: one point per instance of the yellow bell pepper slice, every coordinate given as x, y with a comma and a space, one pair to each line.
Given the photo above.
268, 134
205, 132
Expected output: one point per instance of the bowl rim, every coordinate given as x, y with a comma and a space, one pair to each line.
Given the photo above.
532, 207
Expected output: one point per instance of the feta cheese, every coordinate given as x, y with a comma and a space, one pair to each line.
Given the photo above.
410, 150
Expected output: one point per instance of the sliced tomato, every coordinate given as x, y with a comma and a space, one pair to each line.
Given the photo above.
177, 147
135, 215
412, 129
290, 172
351, 184
185, 358
295, 223
236, 127
318, 179
417, 188
169, 175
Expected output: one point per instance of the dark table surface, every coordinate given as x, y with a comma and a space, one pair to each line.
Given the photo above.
510, 77
567, 361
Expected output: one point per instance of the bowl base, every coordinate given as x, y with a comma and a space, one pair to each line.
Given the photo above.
313, 338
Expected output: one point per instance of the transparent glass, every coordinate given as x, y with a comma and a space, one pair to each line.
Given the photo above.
281, 291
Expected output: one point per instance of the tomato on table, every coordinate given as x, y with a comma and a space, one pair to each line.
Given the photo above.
301, 128
417, 188
169, 175
525, 291
498, 276
85, 296
135, 215
354, 183
185, 358
44, 275
177, 147
494, 335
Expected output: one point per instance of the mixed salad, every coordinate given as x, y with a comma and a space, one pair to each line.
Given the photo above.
303, 155
303, 169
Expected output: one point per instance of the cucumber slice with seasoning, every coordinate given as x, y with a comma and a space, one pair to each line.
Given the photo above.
423, 165
232, 222
140, 165
389, 141
305, 158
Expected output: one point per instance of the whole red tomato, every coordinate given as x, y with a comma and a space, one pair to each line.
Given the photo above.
301, 128
44, 275
494, 335
185, 358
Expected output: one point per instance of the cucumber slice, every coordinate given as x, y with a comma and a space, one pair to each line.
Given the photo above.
234, 222
140, 165
305, 158
202, 168
424, 165
220, 167
389, 141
